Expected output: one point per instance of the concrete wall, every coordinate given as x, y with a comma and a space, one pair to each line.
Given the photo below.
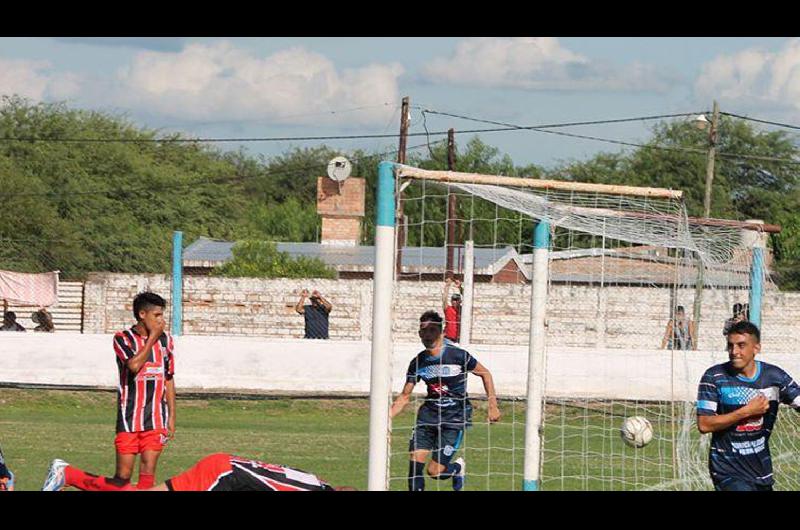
298, 365
578, 315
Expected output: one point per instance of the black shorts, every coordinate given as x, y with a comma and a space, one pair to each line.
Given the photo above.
442, 441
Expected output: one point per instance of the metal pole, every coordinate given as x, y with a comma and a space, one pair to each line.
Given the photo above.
451, 205
469, 289
536, 359
757, 273
380, 365
401, 159
712, 150
177, 283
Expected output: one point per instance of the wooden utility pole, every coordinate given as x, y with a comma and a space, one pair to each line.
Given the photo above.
451, 206
700, 280
401, 159
712, 152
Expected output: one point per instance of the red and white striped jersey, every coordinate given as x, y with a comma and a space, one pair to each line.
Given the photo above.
142, 397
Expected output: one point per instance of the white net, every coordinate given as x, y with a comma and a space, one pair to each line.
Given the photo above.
638, 295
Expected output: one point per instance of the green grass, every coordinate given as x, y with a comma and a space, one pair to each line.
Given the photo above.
583, 450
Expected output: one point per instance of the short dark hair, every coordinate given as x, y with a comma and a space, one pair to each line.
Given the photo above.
10, 315
680, 308
737, 308
146, 300
431, 316
747, 328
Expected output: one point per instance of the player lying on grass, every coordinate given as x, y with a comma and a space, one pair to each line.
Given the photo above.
217, 472
6, 476
446, 411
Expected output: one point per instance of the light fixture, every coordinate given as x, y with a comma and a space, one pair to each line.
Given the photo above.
701, 122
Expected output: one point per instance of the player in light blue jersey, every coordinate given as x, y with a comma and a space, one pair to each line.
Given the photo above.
446, 411
737, 402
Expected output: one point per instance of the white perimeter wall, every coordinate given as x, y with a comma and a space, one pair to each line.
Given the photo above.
299, 365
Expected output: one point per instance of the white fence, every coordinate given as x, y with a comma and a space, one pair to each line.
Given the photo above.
316, 366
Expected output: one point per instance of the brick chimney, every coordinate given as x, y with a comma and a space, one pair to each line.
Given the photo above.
341, 206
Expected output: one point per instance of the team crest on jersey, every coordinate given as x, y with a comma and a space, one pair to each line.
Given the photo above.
448, 450
153, 371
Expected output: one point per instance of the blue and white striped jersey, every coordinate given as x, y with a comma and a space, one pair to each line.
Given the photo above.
742, 450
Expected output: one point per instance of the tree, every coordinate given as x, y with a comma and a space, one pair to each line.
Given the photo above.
261, 259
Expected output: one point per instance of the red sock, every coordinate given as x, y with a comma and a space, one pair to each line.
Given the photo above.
89, 482
145, 481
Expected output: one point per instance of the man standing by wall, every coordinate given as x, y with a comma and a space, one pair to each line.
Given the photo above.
316, 315
452, 310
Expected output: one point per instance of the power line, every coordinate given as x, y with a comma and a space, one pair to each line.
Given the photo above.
757, 120
626, 144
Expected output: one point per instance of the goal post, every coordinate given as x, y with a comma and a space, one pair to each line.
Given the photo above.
603, 271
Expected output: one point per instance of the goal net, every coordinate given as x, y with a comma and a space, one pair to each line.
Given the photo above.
632, 298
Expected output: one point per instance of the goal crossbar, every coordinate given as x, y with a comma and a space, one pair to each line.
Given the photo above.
403, 171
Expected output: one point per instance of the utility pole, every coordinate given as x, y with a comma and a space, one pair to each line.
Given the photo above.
700, 281
451, 206
401, 159
712, 152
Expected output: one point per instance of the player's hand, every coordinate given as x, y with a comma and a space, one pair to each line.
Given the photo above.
494, 414
758, 406
158, 329
304, 293
457, 283
448, 281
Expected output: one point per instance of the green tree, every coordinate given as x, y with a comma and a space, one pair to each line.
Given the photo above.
261, 259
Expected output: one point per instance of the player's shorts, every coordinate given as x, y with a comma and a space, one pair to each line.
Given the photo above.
737, 484
134, 443
443, 442
212, 473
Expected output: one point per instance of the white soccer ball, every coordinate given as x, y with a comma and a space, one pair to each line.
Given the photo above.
636, 431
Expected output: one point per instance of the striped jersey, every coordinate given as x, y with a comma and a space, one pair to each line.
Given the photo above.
742, 450
225, 472
142, 397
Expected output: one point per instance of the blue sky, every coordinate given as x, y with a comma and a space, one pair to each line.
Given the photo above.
263, 87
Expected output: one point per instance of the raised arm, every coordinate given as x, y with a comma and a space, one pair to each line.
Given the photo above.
327, 305
757, 406
401, 401
488, 385
446, 292
299, 307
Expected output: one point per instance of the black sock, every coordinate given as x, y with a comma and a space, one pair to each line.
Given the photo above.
416, 476
449, 471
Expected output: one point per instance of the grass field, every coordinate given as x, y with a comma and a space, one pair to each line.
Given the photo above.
329, 437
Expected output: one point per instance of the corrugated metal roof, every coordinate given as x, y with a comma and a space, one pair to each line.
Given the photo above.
208, 253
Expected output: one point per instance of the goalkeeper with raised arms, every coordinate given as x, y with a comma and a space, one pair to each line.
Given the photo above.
446, 410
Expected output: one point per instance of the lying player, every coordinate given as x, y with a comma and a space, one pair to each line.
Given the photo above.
6, 476
217, 472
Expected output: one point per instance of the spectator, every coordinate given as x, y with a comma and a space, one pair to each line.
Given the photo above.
452, 311
44, 319
739, 314
10, 322
316, 314
679, 334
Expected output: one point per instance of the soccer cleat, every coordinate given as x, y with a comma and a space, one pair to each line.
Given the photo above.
55, 476
459, 478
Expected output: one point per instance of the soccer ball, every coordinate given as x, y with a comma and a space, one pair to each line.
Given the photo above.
636, 431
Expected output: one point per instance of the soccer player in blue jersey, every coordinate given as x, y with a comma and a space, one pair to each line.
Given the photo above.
446, 411
738, 401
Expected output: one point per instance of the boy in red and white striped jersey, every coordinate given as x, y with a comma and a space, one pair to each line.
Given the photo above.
146, 395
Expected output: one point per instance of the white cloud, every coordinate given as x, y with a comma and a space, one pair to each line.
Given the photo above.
536, 63
220, 81
35, 80
754, 78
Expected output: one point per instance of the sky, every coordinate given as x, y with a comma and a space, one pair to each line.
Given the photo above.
291, 86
